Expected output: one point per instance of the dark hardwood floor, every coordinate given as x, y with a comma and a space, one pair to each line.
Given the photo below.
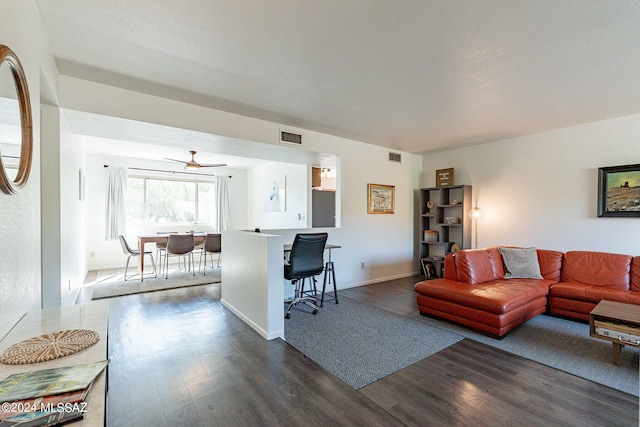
179, 358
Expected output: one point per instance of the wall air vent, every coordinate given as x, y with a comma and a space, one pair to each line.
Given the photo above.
290, 137
395, 157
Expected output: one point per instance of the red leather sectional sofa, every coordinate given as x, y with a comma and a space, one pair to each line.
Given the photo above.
474, 291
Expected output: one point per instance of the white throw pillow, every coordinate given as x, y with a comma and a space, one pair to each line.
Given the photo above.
520, 263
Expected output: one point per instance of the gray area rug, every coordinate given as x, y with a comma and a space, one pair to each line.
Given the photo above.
111, 283
564, 345
360, 343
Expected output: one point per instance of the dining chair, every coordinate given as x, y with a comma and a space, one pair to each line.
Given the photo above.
179, 245
197, 246
134, 253
306, 260
161, 248
212, 245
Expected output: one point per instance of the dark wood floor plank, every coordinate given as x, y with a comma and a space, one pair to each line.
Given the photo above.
396, 296
179, 358
470, 383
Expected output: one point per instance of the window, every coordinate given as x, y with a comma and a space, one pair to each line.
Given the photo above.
169, 201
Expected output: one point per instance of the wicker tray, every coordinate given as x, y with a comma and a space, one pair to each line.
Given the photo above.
49, 346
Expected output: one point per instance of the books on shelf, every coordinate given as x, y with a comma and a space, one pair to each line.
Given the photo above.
428, 269
47, 397
430, 236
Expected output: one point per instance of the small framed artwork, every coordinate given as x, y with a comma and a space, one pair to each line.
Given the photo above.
444, 177
275, 190
619, 191
380, 199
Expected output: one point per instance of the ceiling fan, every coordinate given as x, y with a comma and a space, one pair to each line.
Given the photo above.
193, 165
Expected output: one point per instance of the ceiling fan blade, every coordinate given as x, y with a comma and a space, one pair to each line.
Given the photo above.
215, 165
174, 160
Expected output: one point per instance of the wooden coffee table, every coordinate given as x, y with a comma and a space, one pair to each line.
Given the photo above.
616, 322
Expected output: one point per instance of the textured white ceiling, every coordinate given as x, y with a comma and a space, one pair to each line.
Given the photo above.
413, 75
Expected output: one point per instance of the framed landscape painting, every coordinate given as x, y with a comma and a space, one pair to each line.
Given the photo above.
619, 191
380, 199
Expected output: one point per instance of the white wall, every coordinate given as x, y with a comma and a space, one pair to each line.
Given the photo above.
297, 188
541, 190
50, 204
252, 280
20, 264
385, 243
102, 254
64, 264
73, 260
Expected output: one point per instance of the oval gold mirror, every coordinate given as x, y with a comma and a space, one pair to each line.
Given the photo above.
16, 134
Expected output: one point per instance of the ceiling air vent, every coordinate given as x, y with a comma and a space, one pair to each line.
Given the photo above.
290, 137
395, 157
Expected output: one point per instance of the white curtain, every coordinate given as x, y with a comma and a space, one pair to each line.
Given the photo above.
222, 203
115, 214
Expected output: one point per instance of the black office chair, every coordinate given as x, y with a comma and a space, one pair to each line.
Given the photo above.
305, 262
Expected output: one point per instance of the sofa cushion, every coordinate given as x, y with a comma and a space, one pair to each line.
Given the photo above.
590, 293
632, 298
520, 263
475, 266
571, 308
497, 266
597, 268
599, 293
450, 271
550, 264
569, 290
634, 281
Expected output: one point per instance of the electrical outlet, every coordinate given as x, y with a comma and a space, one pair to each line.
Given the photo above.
92, 254
362, 265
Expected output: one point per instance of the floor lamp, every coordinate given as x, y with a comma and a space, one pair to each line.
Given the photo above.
475, 214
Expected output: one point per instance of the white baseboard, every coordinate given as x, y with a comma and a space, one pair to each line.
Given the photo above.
265, 334
378, 280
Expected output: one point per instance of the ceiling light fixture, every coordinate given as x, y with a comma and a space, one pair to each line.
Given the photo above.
193, 165
326, 173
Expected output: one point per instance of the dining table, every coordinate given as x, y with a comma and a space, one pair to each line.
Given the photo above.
198, 238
